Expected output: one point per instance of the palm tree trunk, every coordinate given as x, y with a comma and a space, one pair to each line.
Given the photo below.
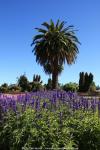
55, 79
55, 74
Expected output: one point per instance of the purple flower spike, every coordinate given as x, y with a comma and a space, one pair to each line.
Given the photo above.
37, 104
44, 105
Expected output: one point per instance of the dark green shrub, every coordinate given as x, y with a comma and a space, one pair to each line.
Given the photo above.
4, 88
70, 87
92, 87
37, 86
14, 88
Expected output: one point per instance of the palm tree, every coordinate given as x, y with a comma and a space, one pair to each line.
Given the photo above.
48, 69
55, 44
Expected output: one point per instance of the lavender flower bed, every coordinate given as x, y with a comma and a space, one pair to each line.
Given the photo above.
51, 100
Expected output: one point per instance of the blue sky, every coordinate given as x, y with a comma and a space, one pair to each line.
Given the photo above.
18, 18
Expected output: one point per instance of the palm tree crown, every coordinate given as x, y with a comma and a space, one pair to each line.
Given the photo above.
55, 45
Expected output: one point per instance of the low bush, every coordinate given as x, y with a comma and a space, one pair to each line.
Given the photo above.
70, 87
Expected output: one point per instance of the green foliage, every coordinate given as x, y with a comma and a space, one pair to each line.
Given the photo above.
86, 84
34, 130
4, 88
23, 83
48, 68
70, 87
86, 131
49, 84
46, 129
37, 83
81, 81
97, 87
92, 87
14, 88
85, 81
36, 86
37, 78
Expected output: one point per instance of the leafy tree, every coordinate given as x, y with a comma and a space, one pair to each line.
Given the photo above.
5, 85
92, 87
23, 83
97, 87
55, 45
70, 87
4, 88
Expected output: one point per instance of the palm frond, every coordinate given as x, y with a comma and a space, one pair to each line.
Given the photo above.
51, 23
61, 25
57, 24
39, 36
41, 30
46, 25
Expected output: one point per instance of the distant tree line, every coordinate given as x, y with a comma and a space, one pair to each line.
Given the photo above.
24, 85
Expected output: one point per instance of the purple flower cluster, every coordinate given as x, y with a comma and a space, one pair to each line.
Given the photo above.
52, 100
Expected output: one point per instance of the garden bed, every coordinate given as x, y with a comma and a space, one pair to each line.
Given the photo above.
49, 119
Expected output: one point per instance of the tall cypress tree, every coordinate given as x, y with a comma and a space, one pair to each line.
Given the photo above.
85, 80
90, 79
86, 85
81, 81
